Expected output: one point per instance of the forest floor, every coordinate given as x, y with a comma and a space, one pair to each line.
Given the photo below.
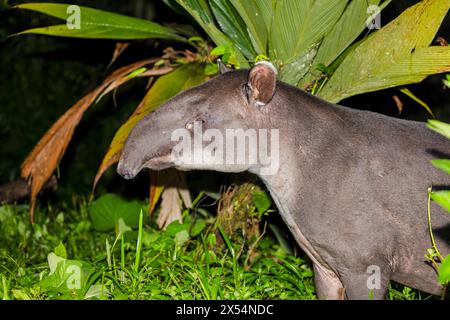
70, 253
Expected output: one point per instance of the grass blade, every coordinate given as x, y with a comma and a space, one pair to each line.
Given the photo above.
139, 243
411, 95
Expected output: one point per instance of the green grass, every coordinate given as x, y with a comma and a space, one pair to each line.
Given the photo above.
171, 264
182, 262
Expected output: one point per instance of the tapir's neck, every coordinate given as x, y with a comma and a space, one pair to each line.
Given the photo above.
312, 132
309, 130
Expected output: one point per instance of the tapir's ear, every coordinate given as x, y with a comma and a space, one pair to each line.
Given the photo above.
262, 81
222, 67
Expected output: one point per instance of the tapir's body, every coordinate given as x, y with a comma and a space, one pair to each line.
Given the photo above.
351, 186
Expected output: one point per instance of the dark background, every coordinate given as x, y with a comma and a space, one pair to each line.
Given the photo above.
41, 77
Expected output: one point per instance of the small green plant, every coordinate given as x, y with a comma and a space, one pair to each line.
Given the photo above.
65, 278
111, 212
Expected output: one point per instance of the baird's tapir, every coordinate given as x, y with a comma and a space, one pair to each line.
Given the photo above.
351, 185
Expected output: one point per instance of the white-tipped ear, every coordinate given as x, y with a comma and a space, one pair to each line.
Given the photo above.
222, 67
262, 81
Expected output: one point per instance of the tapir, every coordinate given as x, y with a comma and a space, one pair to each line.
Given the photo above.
351, 185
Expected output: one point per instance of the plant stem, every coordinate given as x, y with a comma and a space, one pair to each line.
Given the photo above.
430, 229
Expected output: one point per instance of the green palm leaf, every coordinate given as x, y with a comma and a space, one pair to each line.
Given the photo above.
232, 24
297, 29
201, 12
349, 26
257, 15
98, 24
397, 54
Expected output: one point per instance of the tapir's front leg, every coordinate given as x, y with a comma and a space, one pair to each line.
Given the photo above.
328, 285
365, 285
350, 285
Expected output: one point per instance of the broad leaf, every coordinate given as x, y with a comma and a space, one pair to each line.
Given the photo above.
443, 164
262, 201
440, 127
257, 15
198, 227
201, 12
232, 24
111, 211
349, 26
98, 24
299, 25
61, 251
444, 271
297, 69
98, 291
395, 55
66, 277
442, 198
165, 87
181, 237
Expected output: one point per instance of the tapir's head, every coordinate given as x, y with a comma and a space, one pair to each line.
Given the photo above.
232, 100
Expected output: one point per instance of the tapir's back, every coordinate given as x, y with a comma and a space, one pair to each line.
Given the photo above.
401, 144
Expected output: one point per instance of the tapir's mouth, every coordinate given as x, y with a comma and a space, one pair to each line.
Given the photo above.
158, 162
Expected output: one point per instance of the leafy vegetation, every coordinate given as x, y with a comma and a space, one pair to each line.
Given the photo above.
98, 24
64, 256
116, 257
325, 39
443, 199
181, 262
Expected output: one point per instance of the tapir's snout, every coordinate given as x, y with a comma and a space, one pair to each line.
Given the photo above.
135, 158
149, 144
126, 171
132, 158
135, 155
